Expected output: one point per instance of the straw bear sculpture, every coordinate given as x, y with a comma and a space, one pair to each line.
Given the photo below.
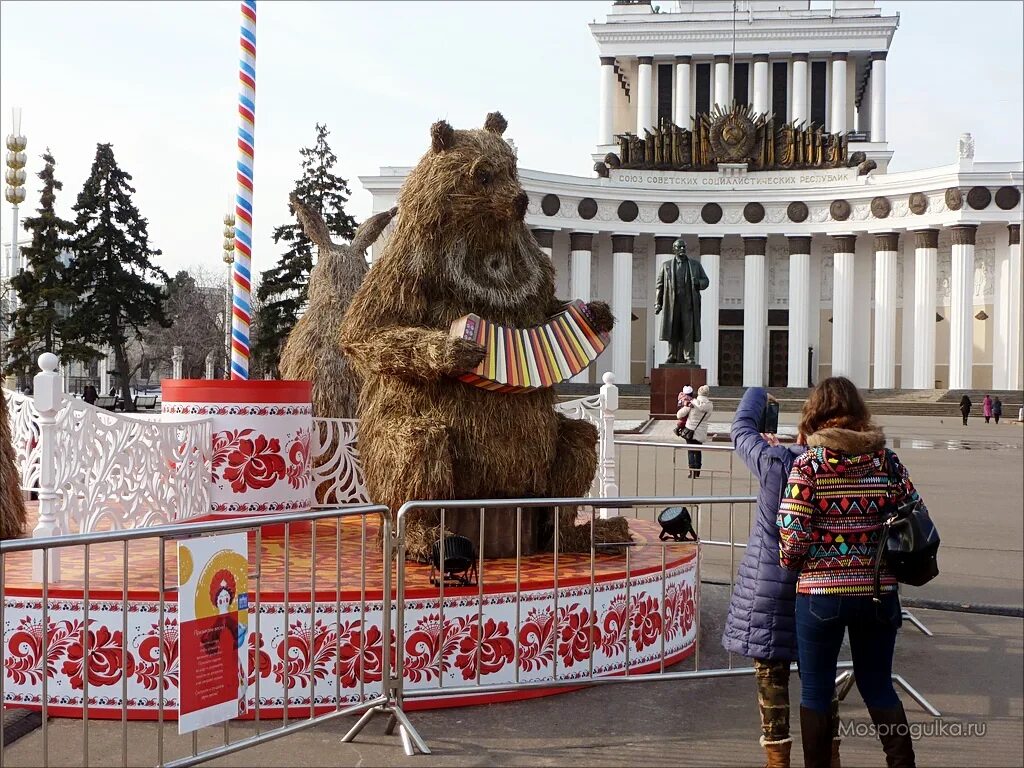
461, 245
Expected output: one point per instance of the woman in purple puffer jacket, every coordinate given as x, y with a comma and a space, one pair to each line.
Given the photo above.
761, 623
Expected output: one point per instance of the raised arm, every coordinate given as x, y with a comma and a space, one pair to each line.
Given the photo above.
753, 449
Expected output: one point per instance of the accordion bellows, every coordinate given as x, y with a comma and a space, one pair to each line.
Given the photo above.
526, 359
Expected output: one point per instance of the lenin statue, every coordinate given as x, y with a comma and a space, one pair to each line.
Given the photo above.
680, 282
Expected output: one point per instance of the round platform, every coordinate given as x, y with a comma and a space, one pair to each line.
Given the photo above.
337, 658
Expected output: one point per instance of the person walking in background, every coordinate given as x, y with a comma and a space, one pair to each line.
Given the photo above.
760, 624
695, 432
835, 503
997, 409
89, 394
683, 400
986, 408
965, 407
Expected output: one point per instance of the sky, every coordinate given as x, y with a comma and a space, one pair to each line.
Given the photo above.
159, 81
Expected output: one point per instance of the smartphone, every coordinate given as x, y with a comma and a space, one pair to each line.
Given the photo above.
769, 423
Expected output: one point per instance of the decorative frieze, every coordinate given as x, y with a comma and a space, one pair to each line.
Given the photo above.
797, 211
881, 207
839, 210
1007, 198
918, 203
668, 213
753, 212
711, 213
954, 199
550, 204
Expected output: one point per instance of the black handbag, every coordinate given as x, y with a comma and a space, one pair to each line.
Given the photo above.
908, 545
688, 434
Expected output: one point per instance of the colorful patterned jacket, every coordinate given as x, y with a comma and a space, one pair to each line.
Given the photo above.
830, 520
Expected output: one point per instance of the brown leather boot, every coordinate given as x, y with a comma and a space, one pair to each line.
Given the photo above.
896, 741
835, 753
816, 736
777, 753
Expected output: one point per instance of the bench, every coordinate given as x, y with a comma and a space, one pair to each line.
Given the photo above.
106, 402
145, 401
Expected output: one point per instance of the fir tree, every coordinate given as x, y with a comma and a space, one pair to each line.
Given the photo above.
44, 298
112, 270
284, 287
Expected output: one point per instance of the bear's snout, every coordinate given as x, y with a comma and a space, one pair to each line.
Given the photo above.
521, 201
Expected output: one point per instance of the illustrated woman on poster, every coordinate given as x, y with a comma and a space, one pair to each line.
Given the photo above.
222, 597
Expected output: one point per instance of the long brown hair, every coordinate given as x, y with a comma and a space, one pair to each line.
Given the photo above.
835, 402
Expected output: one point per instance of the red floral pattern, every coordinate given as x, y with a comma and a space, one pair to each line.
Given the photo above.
259, 660
105, 658
255, 463
309, 654
537, 640
370, 644
578, 635
646, 621
492, 648
425, 654
298, 458
147, 670
23, 661
613, 639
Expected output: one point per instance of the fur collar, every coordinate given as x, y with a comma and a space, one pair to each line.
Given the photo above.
848, 441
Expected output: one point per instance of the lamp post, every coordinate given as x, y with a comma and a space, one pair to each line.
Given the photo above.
15, 194
229, 259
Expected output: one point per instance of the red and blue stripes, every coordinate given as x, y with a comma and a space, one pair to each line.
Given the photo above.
241, 314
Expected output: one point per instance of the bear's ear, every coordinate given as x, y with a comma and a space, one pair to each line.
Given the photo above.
496, 123
442, 136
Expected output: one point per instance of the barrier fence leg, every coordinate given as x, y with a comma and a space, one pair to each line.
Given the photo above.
394, 550
917, 623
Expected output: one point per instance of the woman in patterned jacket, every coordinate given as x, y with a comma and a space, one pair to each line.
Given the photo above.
830, 521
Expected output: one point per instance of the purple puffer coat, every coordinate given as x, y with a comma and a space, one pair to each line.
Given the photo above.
760, 623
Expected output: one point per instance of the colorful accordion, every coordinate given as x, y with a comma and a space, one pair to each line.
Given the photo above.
524, 359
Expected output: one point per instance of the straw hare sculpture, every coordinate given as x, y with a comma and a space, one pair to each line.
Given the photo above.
461, 246
311, 352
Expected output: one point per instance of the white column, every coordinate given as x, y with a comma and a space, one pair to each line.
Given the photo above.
605, 129
925, 285
177, 358
710, 259
755, 311
1014, 329
644, 92
48, 393
681, 113
545, 239
622, 306
662, 254
886, 248
580, 244
878, 96
799, 96
760, 84
722, 95
799, 309
961, 312
838, 124
843, 304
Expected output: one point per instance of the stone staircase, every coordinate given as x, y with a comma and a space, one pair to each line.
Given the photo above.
882, 402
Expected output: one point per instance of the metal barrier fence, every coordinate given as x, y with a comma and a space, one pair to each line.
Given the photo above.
607, 606
101, 639
614, 613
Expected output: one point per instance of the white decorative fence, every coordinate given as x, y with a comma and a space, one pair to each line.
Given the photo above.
93, 469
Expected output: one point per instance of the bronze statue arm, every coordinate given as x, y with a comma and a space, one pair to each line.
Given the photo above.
659, 290
702, 278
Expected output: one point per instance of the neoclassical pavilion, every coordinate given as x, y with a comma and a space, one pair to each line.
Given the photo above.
760, 138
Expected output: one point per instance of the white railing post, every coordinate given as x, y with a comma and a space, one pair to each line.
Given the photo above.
48, 393
607, 473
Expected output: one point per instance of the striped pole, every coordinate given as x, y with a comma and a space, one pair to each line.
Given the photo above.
241, 313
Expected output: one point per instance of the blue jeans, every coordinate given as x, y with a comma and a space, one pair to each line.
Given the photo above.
821, 622
694, 457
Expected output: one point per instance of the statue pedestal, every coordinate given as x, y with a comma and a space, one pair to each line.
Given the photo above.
667, 381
